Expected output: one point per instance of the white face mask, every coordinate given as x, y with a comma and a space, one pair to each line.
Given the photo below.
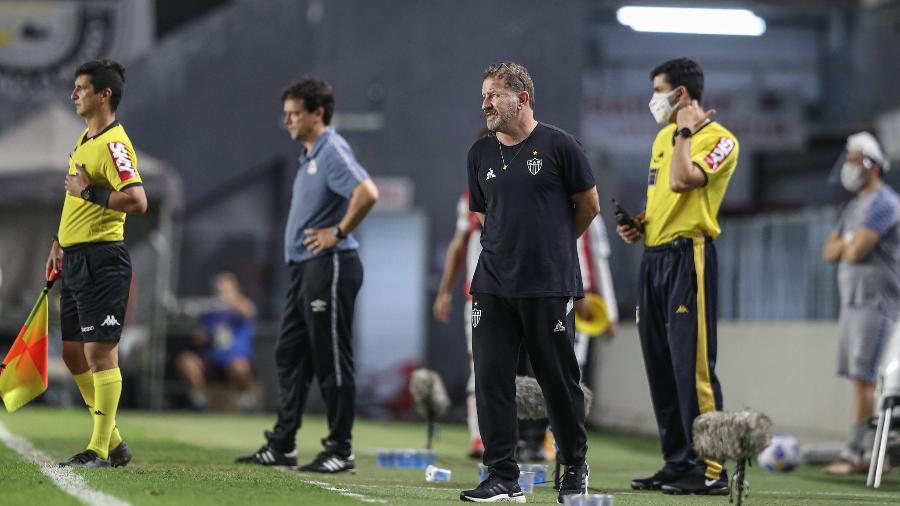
661, 108
853, 177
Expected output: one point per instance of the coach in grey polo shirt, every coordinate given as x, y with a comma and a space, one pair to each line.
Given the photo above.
866, 243
332, 194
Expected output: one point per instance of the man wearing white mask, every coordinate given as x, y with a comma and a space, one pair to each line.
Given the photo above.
691, 163
866, 245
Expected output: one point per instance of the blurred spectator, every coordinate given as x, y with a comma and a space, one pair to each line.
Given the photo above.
866, 243
223, 346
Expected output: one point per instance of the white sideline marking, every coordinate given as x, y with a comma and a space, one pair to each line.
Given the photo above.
331, 488
64, 478
345, 492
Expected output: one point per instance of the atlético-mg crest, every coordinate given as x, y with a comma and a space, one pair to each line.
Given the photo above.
534, 166
476, 317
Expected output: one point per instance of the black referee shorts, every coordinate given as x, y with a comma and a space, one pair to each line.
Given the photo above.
96, 278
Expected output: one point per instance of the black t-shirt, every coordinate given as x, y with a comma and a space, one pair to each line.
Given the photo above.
528, 241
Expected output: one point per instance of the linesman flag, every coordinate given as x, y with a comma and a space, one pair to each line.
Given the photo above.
23, 374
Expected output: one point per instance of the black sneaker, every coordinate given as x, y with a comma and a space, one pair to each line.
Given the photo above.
574, 481
87, 458
662, 477
494, 489
330, 462
268, 456
120, 456
693, 484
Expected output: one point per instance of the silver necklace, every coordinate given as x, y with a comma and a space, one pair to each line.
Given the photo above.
511, 160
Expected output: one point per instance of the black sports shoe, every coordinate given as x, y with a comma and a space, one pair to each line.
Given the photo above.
268, 456
330, 462
574, 481
87, 458
120, 456
494, 489
662, 477
694, 484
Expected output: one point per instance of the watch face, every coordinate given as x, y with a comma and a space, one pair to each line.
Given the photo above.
87, 194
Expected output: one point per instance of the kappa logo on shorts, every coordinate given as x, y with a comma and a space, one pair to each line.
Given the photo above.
476, 316
318, 306
122, 158
110, 321
682, 309
559, 326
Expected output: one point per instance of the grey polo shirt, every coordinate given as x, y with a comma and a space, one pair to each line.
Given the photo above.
327, 176
875, 280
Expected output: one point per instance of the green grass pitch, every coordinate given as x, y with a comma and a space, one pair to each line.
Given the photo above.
183, 459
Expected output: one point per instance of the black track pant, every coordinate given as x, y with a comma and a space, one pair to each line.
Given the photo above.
677, 325
545, 328
316, 341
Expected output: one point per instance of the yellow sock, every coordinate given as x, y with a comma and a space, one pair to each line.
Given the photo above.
107, 389
85, 382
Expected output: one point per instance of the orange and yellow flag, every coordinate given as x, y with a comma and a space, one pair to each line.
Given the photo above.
23, 375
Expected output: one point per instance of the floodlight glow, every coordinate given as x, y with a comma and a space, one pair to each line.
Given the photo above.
690, 20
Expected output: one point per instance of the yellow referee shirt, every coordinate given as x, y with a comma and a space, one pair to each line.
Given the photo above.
110, 162
693, 213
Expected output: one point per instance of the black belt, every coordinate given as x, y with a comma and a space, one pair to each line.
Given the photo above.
677, 243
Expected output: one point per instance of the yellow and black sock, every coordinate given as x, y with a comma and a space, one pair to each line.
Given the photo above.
107, 390
85, 382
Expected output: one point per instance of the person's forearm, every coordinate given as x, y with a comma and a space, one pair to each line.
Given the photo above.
681, 167
584, 215
833, 248
361, 202
452, 264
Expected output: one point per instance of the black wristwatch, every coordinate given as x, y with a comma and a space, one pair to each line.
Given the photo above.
684, 132
88, 193
338, 233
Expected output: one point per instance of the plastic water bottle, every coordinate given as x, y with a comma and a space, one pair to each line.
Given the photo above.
434, 473
384, 457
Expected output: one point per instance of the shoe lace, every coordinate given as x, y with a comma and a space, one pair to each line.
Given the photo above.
83, 457
575, 478
323, 456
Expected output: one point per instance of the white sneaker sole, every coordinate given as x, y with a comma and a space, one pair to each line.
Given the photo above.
499, 498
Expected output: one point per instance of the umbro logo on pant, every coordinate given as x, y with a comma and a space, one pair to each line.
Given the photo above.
110, 321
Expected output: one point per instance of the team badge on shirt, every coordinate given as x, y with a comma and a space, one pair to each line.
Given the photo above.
534, 166
476, 316
312, 168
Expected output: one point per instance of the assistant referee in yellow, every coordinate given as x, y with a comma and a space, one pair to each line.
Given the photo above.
102, 186
692, 160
